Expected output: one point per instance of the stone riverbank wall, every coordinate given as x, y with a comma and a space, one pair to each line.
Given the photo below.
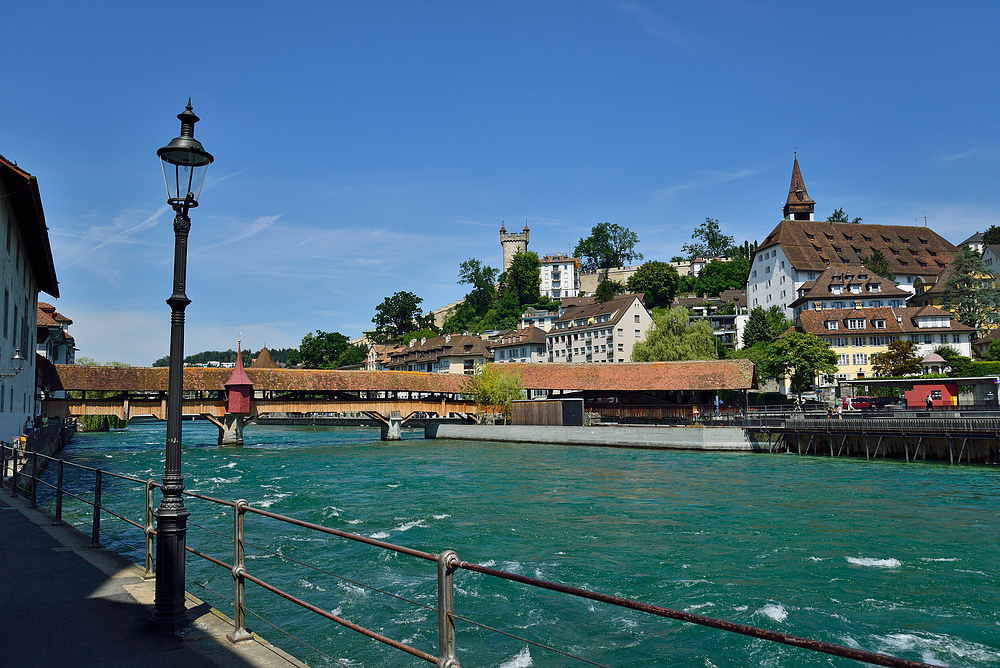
661, 438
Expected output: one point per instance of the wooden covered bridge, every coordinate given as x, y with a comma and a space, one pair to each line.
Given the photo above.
663, 388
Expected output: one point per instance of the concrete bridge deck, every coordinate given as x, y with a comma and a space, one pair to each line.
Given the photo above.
65, 604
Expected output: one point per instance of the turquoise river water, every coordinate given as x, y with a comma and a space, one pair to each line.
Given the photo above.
883, 555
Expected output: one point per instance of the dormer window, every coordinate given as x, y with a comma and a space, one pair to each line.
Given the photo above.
874, 287
848, 238
836, 289
904, 264
895, 252
837, 250
831, 325
855, 289
811, 237
904, 240
867, 239
855, 323
878, 324
829, 237
886, 239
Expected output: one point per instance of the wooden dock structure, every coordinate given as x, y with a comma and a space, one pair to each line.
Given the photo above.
952, 439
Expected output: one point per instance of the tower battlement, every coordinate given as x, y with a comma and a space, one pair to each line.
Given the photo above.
513, 243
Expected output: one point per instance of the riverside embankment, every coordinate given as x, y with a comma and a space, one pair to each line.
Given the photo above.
659, 438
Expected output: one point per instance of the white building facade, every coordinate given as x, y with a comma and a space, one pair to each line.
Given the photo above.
560, 276
26, 268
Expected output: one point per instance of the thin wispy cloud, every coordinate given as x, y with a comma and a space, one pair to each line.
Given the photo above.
119, 232
709, 179
256, 227
952, 157
658, 27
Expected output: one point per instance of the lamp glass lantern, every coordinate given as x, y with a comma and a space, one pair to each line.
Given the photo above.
185, 163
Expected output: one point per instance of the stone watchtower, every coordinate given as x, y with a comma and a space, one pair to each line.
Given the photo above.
512, 244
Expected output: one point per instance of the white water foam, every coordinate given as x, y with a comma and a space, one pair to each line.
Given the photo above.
699, 606
355, 521
941, 559
229, 465
775, 611
877, 563
441, 517
394, 486
521, 660
380, 535
409, 525
815, 559
934, 645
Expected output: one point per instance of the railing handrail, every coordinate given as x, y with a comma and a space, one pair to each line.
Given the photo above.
447, 562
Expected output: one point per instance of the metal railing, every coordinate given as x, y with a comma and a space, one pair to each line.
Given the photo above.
447, 564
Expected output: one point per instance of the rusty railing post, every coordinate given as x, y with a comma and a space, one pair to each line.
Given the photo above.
150, 531
240, 632
59, 493
34, 479
95, 533
446, 562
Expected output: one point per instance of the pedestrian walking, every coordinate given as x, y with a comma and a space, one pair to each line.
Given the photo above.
840, 411
930, 403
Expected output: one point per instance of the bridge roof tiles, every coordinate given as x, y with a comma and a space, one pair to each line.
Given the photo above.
701, 375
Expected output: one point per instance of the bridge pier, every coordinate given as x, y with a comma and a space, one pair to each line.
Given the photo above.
230, 427
392, 429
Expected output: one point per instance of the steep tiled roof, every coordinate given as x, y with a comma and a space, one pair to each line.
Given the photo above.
45, 320
438, 347
843, 277
708, 375
614, 307
897, 321
519, 337
21, 193
700, 375
264, 360
813, 245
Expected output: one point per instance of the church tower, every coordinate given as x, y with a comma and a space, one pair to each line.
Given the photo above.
799, 205
512, 244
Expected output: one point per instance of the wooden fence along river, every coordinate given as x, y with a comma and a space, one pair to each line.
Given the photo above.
952, 439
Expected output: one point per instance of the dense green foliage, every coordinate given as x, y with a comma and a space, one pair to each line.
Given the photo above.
492, 387
708, 241
718, 276
991, 236
673, 338
656, 280
609, 245
280, 355
878, 263
488, 307
800, 356
898, 359
327, 350
607, 289
840, 216
970, 292
764, 326
398, 315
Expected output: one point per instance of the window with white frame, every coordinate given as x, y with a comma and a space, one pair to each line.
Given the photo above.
878, 324
856, 323
859, 359
840, 342
831, 325
858, 341
843, 359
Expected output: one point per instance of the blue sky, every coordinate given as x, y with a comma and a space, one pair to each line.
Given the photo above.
367, 148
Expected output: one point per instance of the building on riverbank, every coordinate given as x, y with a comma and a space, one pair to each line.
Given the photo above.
26, 268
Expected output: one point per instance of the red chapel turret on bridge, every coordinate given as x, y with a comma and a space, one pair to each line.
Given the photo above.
239, 387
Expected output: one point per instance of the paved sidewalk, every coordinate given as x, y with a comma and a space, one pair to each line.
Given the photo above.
64, 604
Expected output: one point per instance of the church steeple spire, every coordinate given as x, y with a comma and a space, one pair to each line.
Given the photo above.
799, 205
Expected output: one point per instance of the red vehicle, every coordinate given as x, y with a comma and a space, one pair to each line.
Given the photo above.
861, 402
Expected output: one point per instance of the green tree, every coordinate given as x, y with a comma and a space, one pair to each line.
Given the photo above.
800, 356
607, 289
840, 216
991, 236
328, 350
492, 387
764, 326
708, 241
98, 422
878, 263
970, 291
397, 315
718, 276
523, 278
609, 245
899, 359
483, 279
656, 280
673, 338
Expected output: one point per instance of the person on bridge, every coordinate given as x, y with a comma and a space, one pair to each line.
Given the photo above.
930, 403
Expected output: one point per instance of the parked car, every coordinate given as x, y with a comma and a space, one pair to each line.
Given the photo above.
875, 403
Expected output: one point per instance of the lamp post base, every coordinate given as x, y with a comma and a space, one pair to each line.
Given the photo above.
169, 607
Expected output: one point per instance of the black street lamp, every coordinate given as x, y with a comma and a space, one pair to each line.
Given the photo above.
185, 164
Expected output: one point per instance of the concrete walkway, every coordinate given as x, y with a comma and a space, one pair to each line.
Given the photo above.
64, 604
